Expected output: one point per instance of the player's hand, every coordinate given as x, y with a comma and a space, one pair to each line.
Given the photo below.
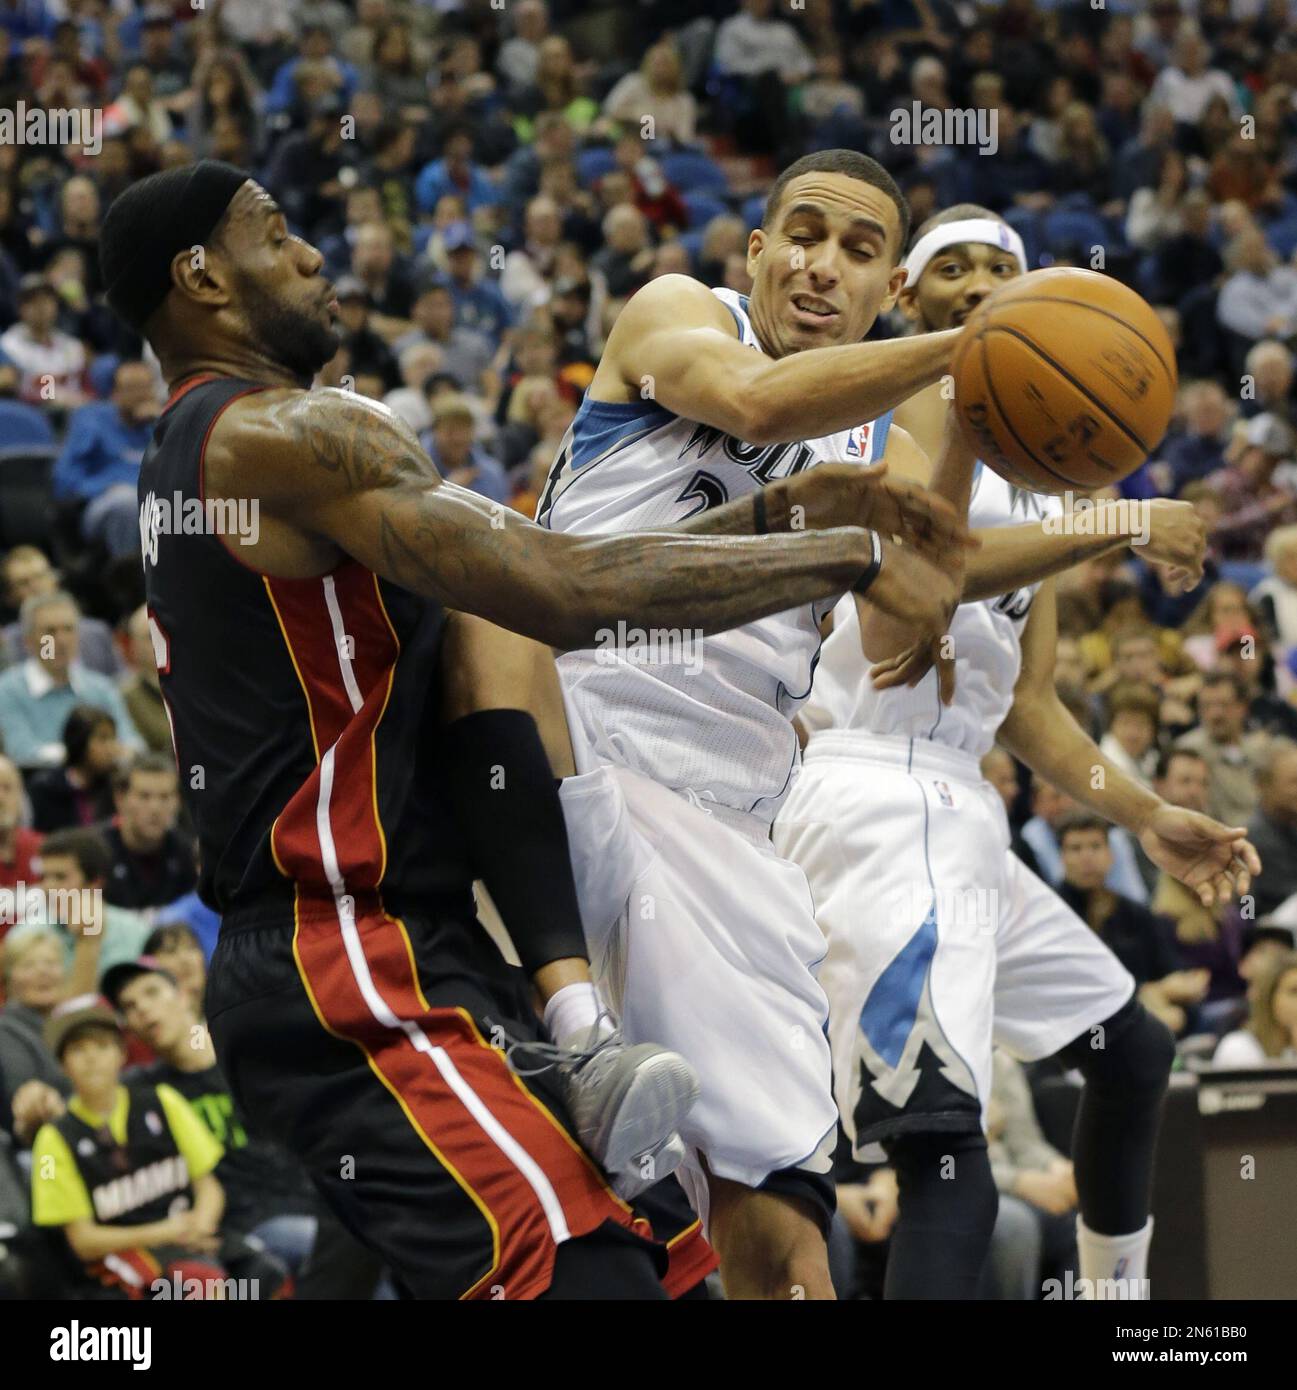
1216, 861
1177, 538
845, 494
923, 598
910, 666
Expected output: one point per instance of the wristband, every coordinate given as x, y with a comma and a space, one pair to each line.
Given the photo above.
759, 511
870, 573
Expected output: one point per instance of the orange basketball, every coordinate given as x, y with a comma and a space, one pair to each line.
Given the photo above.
1064, 380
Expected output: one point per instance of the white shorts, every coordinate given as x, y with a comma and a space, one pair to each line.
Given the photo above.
941, 942
704, 940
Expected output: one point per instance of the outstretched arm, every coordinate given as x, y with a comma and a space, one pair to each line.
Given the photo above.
342, 471
1212, 859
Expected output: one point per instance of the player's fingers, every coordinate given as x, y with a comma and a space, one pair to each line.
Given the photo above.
1247, 852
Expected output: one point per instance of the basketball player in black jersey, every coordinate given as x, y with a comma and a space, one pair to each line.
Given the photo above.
353, 999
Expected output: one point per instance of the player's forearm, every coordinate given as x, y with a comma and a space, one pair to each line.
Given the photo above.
708, 585
824, 390
1041, 732
1012, 557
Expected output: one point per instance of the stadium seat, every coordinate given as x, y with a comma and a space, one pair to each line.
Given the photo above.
1282, 237
1247, 574
26, 497
1073, 227
592, 163
101, 373
753, 209
703, 207
1027, 225
692, 171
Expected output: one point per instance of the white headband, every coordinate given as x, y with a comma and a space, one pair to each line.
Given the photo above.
981, 230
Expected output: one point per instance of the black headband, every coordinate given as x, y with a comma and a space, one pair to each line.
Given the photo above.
153, 220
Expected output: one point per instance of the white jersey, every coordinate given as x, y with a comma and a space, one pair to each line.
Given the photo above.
987, 644
709, 719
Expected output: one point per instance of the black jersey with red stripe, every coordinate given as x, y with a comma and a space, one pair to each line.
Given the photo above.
302, 710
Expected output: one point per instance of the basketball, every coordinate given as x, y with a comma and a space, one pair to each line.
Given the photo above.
1064, 380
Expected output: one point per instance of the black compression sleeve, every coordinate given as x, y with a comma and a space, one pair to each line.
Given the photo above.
506, 801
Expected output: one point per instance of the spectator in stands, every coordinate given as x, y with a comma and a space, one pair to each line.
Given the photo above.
267, 1195
1154, 214
94, 935
465, 353
650, 191
1187, 84
519, 56
1271, 1031
1253, 497
1269, 369
459, 459
225, 90
1142, 942
455, 172
99, 466
528, 269
141, 692
317, 50
152, 862
1275, 597
1243, 652
373, 363
305, 170
19, 844
1000, 771
654, 101
1259, 296
176, 946
79, 792
387, 279
393, 72
626, 260
1273, 828
33, 980
560, 86
1015, 176
1188, 258
51, 364
110, 1185
37, 696
27, 572
479, 305
1234, 754
1139, 162
1036, 1225
1051, 807
1198, 450
79, 210
1131, 739
1205, 937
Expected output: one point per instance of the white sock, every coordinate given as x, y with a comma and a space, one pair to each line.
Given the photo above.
1105, 1258
570, 1014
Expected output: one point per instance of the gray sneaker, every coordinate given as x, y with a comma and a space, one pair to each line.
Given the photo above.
626, 1100
649, 1168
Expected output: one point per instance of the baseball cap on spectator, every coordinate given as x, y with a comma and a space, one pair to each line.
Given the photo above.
74, 1016
351, 287
116, 979
1270, 434
458, 236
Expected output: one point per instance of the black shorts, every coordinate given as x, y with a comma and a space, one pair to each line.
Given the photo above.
363, 1043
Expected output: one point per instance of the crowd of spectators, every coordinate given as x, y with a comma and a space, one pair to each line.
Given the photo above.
488, 185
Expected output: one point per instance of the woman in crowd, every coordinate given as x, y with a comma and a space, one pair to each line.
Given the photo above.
1271, 1031
80, 792
34, 984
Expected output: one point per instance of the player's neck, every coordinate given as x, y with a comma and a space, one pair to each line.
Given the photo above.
230, 360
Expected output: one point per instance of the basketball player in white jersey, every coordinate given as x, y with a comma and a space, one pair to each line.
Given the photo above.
700, 935
940, 941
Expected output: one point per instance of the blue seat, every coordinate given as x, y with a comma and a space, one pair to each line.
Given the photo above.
692, 171
24, 429
592, 163
1282, 236
101, 374
1027, 225
703, 207
753, 209
1073, 227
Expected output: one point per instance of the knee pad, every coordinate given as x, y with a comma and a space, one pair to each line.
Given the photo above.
1133, 1051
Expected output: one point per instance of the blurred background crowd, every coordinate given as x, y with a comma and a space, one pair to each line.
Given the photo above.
489, 184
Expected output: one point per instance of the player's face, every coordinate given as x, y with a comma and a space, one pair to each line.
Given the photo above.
287, 306
826, 267
955, 282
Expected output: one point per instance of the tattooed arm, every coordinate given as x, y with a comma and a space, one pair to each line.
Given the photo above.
332, 471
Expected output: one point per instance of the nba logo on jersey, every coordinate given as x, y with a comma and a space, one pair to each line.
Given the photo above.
943, 791
858, 442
